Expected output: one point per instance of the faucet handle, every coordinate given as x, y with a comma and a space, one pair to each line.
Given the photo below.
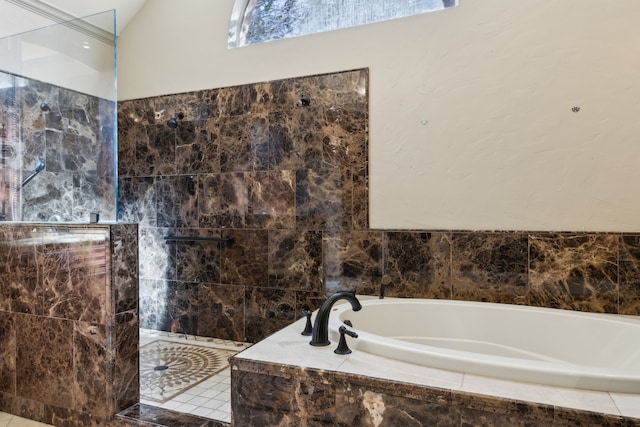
308, 329
342, 344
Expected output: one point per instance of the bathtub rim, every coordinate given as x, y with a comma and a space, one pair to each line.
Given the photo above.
586, 377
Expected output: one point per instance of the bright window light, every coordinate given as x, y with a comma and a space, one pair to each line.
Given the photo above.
258, 21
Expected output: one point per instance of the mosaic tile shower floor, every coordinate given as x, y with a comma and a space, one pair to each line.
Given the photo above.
192, 374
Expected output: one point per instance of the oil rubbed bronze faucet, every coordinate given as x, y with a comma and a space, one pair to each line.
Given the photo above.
320, 335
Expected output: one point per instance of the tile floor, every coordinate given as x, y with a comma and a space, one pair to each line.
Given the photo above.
212, 397
8, 420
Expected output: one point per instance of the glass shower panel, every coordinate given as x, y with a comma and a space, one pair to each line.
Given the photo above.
58, 122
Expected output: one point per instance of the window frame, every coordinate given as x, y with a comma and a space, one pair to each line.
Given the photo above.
238, 18
236, 22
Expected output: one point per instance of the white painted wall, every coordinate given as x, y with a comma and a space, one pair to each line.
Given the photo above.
494, 79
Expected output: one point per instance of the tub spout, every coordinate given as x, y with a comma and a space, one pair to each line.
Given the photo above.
320, 335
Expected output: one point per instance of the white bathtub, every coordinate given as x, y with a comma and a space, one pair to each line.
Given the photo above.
538, 345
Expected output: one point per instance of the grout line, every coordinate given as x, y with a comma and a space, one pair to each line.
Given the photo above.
213, 395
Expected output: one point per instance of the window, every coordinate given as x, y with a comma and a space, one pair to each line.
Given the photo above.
257, 21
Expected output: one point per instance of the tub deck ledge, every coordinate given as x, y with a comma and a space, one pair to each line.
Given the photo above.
288, 347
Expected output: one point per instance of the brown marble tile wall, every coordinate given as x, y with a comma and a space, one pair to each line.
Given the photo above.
68, 321
74, 139
270, 394
284, 179
290, 184
141, 415
595, 272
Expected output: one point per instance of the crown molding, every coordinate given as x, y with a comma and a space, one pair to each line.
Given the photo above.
60, 17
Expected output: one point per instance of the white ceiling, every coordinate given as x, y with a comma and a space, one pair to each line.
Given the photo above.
15, 19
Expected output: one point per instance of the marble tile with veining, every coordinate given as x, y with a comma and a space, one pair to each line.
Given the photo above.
145, 415
244, 142
283, 94
157, 257
357, 404
135, 111
44, 360
629, 275
267, 310
155, 154
124, 266
181, 307
137, 201
153, 304
578, 399
292, 348
8, 346
233, 101
295, 138
344, 138
245, 262
271, 199
128, 137
468, 397
193, 105
295, 260
489, 266
198, 261
218, 314
321, 201
223, 200
126, 389
418, 264
343, 89
177, 201
575, 272
352, 260
198, 146
75, 278
41, 204
89, 346
20, 285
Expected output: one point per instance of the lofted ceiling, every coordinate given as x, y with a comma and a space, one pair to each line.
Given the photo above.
18, 16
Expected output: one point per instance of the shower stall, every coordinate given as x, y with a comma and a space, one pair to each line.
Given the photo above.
58, 122
68, 281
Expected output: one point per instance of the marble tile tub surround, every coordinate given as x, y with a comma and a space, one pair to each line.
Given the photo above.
151, 416
75, 140
289, 183
284, 381
68, 322
255, 163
